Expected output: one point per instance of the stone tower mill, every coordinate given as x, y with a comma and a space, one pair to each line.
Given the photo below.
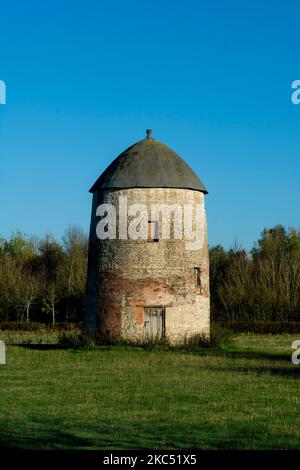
146, 277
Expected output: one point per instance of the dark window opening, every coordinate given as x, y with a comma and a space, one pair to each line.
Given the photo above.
197, 277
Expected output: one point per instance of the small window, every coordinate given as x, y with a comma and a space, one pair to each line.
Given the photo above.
197, 272
153, 234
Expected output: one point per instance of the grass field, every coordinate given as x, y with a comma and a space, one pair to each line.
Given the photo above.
243, 397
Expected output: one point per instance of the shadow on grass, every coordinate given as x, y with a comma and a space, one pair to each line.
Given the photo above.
150, 434
58, 347
39, 347
249, 354
292, 372
51, 440
285, 368
208, 352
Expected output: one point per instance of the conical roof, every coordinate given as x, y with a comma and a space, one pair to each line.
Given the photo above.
148, 164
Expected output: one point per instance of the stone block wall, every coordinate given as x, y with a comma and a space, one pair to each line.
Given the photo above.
126, 276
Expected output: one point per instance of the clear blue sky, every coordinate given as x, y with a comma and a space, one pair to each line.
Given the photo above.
211, 78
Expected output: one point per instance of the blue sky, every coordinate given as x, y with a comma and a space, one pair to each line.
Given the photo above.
212, 79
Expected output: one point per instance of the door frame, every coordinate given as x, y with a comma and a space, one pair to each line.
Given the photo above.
163, 308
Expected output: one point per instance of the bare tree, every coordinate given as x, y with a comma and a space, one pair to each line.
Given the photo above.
30, 292
50, 300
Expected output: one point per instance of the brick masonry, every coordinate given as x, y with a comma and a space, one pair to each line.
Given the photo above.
125, 276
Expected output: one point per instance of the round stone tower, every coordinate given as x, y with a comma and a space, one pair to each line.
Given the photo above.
148, 268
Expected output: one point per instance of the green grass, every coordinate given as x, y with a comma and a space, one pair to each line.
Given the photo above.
243, 397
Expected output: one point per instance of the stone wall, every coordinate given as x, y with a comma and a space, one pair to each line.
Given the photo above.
125, 276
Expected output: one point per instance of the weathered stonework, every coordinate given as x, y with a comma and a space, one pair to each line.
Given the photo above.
127, 276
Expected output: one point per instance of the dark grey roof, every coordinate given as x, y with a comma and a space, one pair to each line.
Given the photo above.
148, 164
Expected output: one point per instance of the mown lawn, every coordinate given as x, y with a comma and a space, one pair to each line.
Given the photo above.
244, 397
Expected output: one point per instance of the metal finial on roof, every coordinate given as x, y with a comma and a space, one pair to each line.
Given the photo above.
149, 133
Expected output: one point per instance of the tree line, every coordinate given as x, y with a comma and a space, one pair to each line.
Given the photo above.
263, 284
44, 280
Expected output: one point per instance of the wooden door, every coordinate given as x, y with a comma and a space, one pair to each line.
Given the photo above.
154, 322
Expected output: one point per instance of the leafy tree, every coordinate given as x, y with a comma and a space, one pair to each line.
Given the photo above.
74, 269
218, 264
